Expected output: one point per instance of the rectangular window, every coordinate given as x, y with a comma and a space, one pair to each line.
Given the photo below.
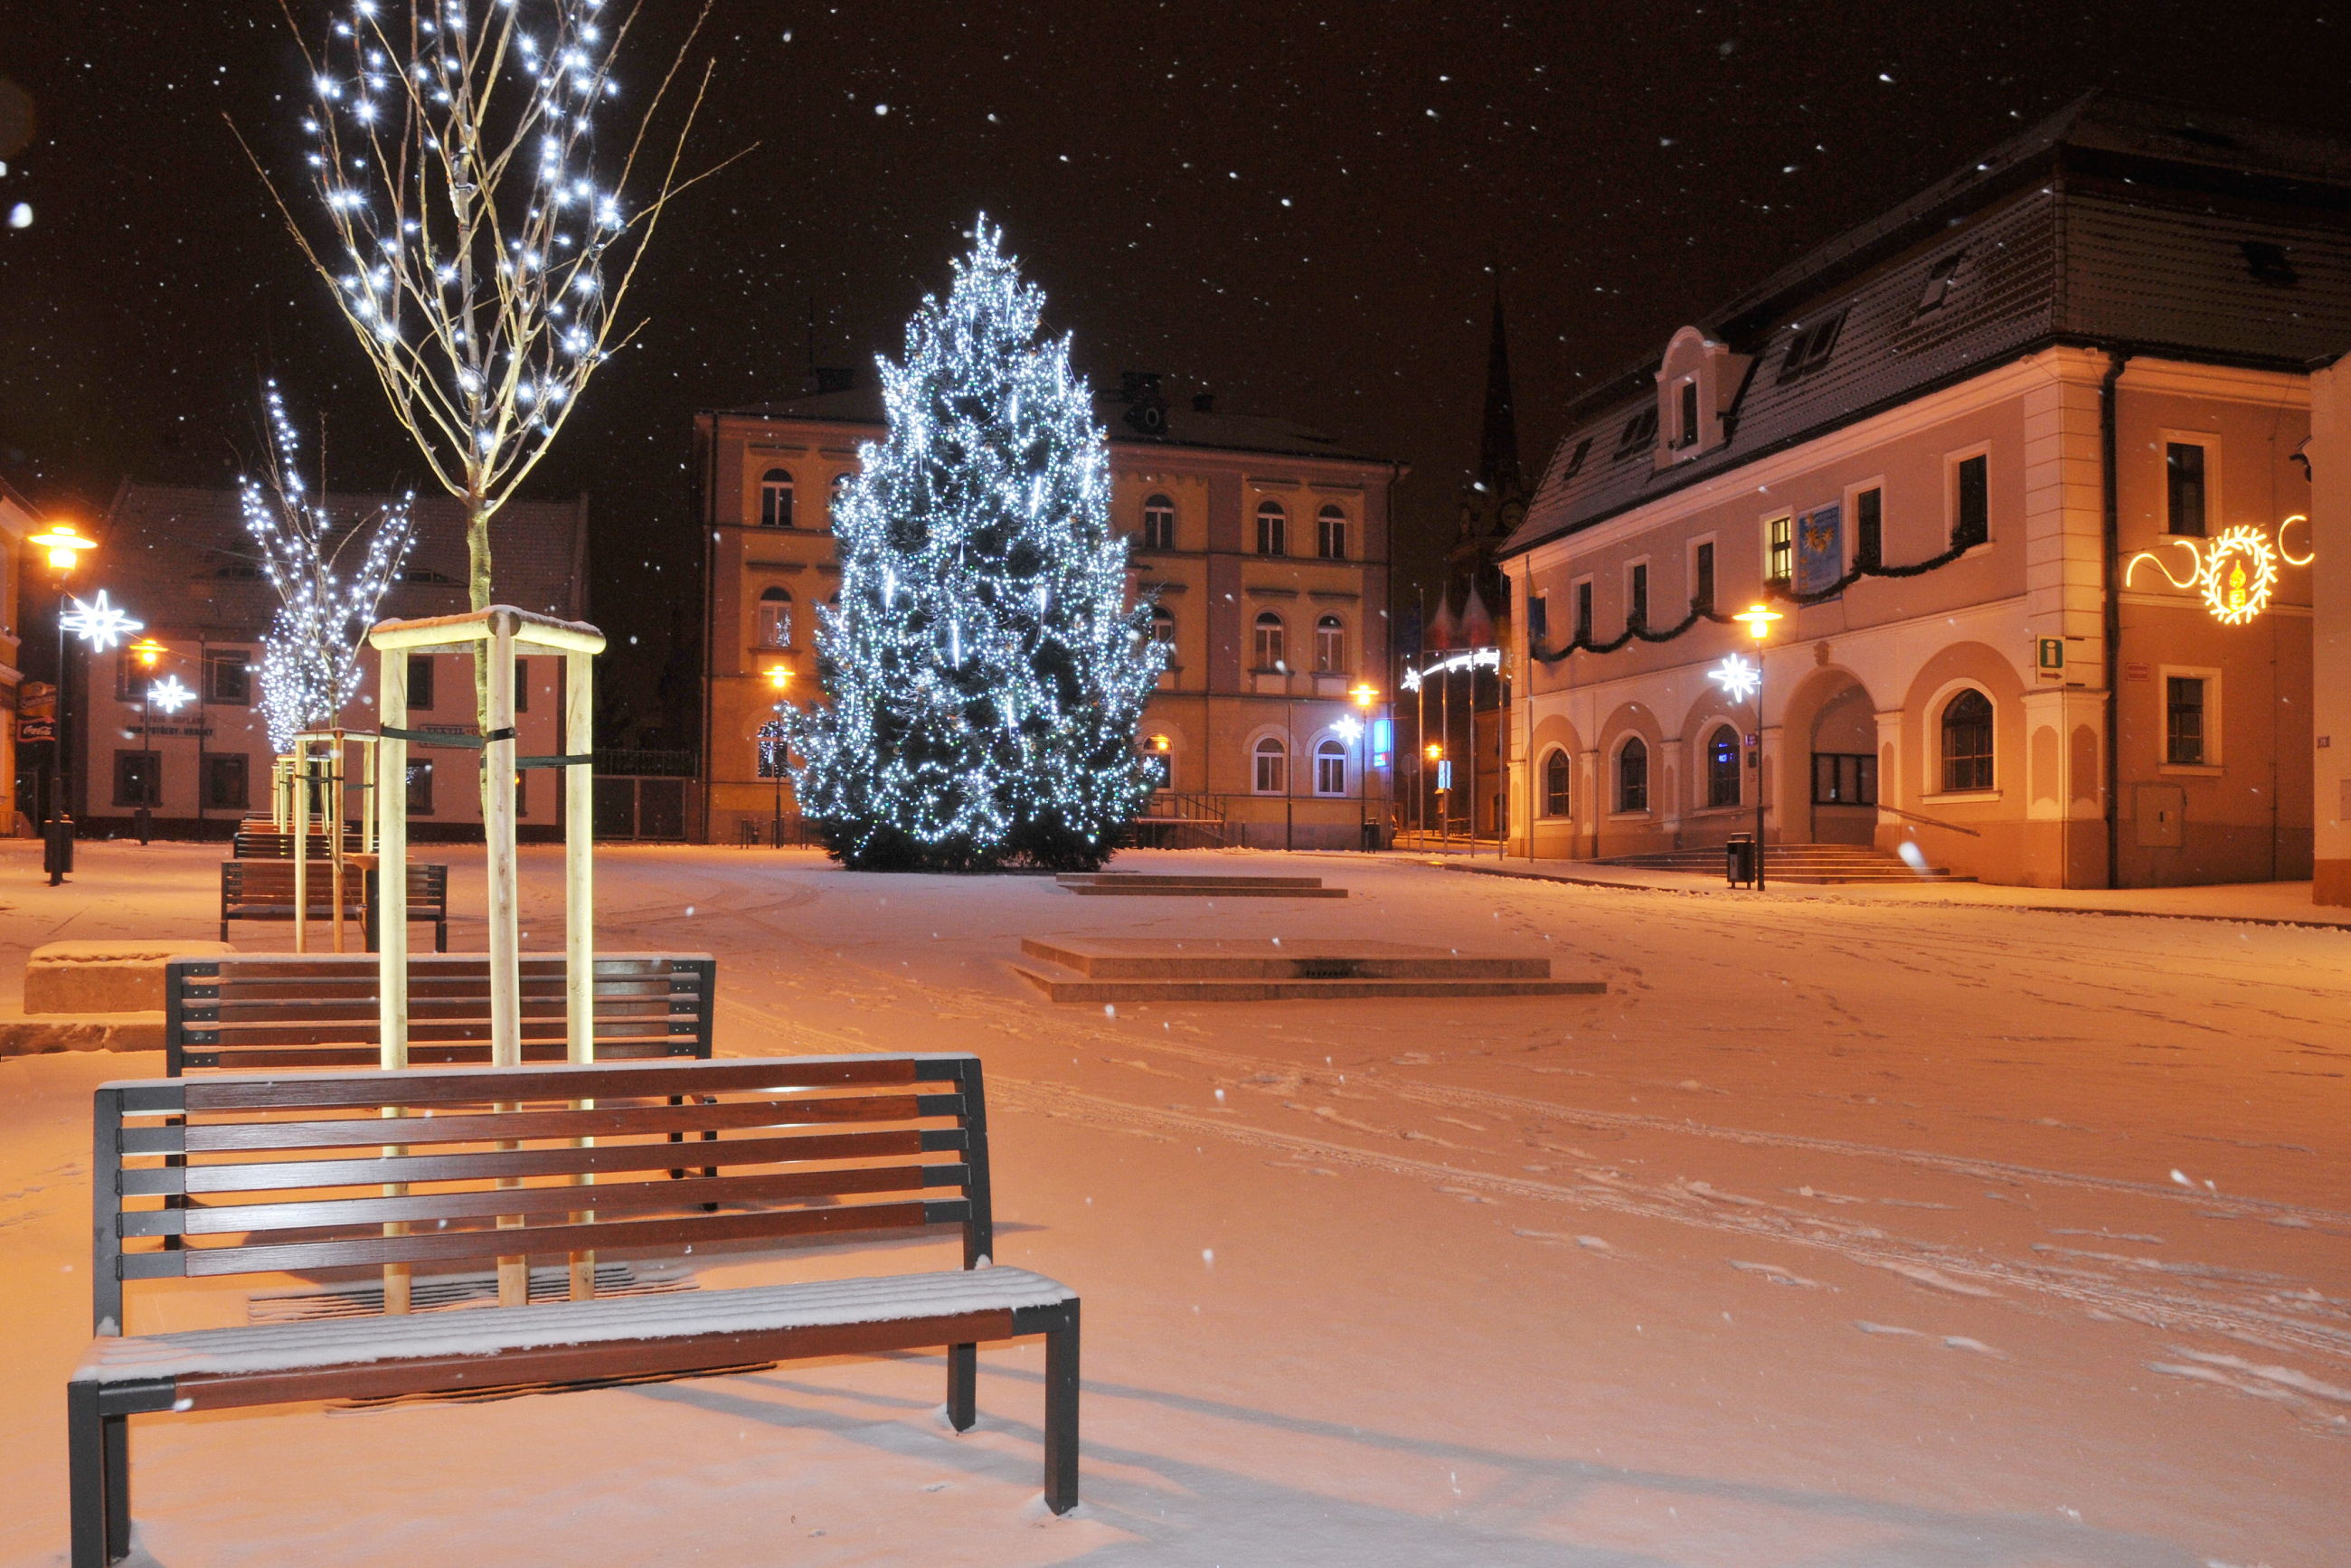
2183, 721
1685, 433
226, 782
1538, 617
1637, 597
1810, 347
1941, 278
1844, 779
2183, 488
420, 789
1639, 431
1971, 501
1702, 578
1575, 459
227, 679
138, 779
1584, 610
522, 685
420, 691
1869, 528
1779, 550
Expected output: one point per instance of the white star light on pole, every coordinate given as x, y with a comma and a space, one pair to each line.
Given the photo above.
100, 624
1350, 728
169, 695
1736, 677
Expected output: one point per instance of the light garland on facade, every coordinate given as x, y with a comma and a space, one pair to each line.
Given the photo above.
100, 624
310, 655
986, 672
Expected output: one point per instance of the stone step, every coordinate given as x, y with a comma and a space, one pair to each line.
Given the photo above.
1145, 958
1131, 884
1177, 990
1180, 879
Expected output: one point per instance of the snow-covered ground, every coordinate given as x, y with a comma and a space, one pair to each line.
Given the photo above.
1837, 1233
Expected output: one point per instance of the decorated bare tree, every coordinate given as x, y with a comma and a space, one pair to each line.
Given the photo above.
311, 655
478, 235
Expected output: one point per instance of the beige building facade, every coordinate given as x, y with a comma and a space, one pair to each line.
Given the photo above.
1263, 546
2019, 464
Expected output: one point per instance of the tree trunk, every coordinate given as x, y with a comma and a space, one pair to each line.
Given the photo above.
477, 595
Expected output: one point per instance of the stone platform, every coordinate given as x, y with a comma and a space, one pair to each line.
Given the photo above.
1235, 969
95, 995
1130, 883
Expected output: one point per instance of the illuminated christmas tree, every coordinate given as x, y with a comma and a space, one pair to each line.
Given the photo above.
985, 670
311, 655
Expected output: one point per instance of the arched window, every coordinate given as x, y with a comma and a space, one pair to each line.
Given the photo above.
773, 626
1159, 761
1272, 528
1269, 642
1722, 766
1558, 785
1163, 626
775, 498
837, 493
1330, 533
1330, 645
1633, 775
1330, 767
1272, 766
1158, 523
1966, 742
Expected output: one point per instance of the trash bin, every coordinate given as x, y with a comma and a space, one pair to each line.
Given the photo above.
1371, 837
1738, 860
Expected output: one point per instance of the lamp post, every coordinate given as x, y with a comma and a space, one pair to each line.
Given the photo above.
1434, 752
779, 679
1737, 679
65, 544
149, 652
1365, 695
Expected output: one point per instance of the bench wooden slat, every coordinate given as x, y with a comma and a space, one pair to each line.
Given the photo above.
606, 1197
295, 1176
320, 1091
427, 1054
602, 1122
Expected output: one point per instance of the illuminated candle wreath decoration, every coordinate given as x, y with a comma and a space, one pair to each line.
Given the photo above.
2235, 571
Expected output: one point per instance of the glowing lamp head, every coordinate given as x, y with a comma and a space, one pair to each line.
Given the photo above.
148, 652
1435, 752
65, 544
1365, 695
1161, 743
1758, 621
780, 677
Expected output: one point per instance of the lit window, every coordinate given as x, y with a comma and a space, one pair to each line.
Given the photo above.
1272, 529
1330, 534
1272, 766
775, 498
1158, 523
1331, 768
1269, 642
1967, 743
1330, 645
1779, 550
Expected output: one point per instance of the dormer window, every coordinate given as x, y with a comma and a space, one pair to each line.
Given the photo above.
1698, 382
1575, 459
1942, 279
1686, 415
1810, 349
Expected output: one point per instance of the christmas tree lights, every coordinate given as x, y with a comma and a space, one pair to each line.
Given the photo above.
469, 238
311, 655
985, 669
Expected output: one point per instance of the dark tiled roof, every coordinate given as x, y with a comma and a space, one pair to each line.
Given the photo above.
180, 558
1185, 425
2120, 220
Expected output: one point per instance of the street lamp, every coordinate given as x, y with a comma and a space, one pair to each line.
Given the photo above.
1365, 695
1738, 677
65, 544
149, 652
779, 680
1435, 753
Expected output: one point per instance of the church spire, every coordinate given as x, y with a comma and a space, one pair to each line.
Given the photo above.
1498, 447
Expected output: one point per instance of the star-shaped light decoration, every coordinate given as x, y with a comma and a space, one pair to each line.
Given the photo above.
98, 623
1736, 677
1350, 728
169, 695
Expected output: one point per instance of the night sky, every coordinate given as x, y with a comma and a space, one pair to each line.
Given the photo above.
1299, 207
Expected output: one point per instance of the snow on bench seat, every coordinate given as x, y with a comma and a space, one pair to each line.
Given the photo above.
355, 1342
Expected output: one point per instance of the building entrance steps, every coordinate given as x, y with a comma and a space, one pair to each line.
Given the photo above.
1811, 865
1133, 883
1235, 969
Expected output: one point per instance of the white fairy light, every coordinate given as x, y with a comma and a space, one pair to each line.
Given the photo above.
310, 655
99, 625
988, 674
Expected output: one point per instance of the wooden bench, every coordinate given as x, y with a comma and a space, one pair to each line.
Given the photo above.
268, 843
291, 1172
257, 1011
264, 890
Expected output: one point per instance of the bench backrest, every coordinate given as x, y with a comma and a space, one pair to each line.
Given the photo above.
270, 844
272, 881
256, 1011
268, 1173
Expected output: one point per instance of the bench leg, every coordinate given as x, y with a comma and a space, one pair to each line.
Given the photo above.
963, 1385
1061, 1416
441, 935
97, 1470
